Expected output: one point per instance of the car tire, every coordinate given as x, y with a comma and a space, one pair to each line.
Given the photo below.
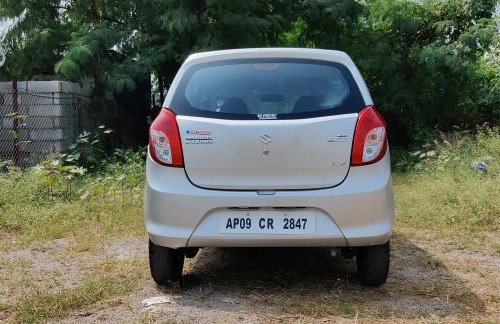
373, 264
165, 263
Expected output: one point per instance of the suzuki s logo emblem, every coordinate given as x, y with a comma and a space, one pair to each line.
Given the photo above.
266, 139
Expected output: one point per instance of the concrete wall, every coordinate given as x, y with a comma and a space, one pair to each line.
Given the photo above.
55, 112
83, 88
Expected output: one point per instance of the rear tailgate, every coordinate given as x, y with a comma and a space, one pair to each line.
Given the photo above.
267, 123
267, 155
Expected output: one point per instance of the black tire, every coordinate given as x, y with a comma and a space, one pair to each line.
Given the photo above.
373, 264
165, 263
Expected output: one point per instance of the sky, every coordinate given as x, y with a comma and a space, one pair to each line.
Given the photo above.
4, 26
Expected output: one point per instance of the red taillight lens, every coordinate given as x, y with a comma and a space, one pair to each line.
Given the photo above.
370, 139
164, 140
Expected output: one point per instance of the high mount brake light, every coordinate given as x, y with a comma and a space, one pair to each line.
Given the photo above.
164, 140
370, 138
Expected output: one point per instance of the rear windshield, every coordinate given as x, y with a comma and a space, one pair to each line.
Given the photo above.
267, 89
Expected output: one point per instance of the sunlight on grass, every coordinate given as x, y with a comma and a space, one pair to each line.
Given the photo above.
442, 193
447, 196
105, 280
40, 305
464, 201
439, 198
43, 222
96, 206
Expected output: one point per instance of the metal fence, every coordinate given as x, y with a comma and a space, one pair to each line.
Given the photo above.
35, 124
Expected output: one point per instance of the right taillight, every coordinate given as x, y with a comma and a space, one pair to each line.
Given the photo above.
370, 138
164, 140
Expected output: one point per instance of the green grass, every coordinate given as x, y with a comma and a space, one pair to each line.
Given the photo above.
97, 206
438, 191
103, 282
437, 195
446, 196
462, 201
39, 305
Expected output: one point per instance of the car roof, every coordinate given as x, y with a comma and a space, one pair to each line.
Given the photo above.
276, 52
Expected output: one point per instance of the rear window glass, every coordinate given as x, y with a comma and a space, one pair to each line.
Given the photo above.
267, 89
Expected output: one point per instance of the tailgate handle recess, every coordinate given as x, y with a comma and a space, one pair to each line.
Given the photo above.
266, 192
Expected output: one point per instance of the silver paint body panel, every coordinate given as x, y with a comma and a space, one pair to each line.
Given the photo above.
297, 154
358, 212
353, 206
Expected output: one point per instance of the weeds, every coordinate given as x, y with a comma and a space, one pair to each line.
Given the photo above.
454, 151
446, 194
39, 305
90, 149
61, 197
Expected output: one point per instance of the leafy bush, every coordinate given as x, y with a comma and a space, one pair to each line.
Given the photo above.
90, 149
108, 172
121, 176
459, 149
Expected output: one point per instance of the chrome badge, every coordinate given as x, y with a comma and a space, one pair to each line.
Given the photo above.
338, 138
266, 139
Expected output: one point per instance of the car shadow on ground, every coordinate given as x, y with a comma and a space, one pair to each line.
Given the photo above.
310, 282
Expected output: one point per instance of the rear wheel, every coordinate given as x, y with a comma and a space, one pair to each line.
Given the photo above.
165, 263
373, 264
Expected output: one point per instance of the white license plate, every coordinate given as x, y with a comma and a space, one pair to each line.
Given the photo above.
267, 222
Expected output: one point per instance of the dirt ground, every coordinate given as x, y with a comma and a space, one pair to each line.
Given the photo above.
430, 281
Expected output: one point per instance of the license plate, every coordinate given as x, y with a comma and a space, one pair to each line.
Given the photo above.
256, 222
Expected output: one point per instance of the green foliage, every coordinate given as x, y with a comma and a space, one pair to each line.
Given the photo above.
58, 172
90, 149
36, 40
424, 62
122, 176
429, 63
61, 175
121, 42
427, 72
54, 172
454, 150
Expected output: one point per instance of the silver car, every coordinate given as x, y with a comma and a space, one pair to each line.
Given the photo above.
268, 147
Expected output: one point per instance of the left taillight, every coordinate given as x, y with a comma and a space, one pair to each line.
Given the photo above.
164, 140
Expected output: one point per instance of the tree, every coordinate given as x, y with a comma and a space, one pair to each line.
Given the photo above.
423, 60
121, 41
428, 63
37, 39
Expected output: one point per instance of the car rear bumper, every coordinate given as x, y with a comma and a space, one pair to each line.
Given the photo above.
358, 212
